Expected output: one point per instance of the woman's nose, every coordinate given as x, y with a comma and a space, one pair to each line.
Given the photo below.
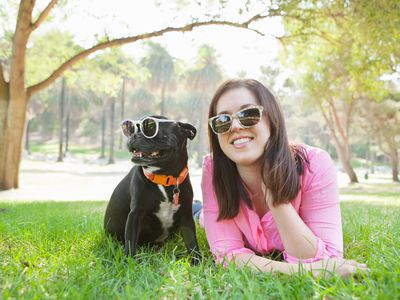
235, 125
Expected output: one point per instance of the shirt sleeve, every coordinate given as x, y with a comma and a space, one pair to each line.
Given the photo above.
320, 208
224, 237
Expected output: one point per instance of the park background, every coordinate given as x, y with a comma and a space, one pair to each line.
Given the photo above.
71, 71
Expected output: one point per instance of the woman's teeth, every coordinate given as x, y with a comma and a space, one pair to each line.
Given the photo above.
241, 141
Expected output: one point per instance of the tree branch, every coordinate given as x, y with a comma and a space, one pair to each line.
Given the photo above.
337, 120
316, 31
349, 114
18, 53
329, 122
42, 17
382, 148
121, 41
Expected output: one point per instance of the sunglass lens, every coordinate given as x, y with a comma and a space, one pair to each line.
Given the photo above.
249, 117
149, 127
222, 124
128, 128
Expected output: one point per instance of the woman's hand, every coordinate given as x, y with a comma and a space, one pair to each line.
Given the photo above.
343, 267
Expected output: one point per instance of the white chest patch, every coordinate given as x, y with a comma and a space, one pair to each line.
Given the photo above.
165, 214
151, 169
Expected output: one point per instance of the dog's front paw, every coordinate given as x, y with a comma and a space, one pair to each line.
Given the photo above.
196, 258
129, 250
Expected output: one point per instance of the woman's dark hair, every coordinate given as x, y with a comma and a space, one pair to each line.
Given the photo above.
282, 165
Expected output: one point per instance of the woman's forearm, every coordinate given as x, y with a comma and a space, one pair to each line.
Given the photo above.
323, 267
262, 264
298, 240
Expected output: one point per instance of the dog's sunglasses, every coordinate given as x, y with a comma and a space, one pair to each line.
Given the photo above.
247, 117
148, 126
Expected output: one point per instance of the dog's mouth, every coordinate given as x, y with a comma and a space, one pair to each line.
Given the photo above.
148, 155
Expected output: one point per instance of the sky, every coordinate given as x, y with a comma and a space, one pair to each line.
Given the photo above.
238, 49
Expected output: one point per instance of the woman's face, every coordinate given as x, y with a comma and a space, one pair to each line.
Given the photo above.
244, 146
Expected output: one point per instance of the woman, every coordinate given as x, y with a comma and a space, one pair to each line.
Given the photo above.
262, 194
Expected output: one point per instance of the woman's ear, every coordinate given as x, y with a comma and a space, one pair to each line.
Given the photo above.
188, 129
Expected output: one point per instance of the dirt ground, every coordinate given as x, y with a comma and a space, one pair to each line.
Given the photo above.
74, 181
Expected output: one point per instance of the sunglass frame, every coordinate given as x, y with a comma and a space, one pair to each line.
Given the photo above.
140, 123
235, 116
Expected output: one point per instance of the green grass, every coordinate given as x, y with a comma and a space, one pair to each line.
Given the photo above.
57, 250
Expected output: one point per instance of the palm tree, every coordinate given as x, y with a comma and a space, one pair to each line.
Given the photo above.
162, 69
110, 71
204, 78
62, 114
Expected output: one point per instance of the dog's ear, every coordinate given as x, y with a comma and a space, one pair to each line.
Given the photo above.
188, 129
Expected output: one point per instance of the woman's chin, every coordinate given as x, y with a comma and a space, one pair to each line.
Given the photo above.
245, 160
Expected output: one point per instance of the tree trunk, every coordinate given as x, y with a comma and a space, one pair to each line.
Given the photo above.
394, 160
122, 109
344, 156
339, 132
67, 123
4, 102
392, 154
103, 133
372, 168
202, 133
162, 104
27, 137
14, 102
111, 159
61, 133
11, 137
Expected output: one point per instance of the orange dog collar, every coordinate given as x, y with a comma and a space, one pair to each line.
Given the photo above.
167, 180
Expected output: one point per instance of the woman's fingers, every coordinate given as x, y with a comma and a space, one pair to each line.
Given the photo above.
356, 264
343, 267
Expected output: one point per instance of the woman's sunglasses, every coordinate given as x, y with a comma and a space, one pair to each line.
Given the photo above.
247, 117
148, 126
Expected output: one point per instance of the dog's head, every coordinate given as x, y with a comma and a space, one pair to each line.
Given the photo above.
158, 142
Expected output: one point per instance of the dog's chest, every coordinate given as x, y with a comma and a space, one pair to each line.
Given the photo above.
165, 214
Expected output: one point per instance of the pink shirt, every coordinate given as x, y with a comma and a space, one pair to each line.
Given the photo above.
317, 203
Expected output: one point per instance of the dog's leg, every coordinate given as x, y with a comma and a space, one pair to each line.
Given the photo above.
188, 230
132, 231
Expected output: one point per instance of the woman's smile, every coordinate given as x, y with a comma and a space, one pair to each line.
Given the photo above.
241, 141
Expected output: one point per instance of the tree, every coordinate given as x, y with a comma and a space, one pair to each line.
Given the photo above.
62, 119
55, 46
15, 93
303, 123
384, 124
111, 159
204, 78
162, 69
107, 73
336, 70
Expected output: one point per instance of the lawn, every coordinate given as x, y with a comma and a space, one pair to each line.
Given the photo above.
58, 250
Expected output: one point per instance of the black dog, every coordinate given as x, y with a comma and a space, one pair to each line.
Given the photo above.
155, 198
